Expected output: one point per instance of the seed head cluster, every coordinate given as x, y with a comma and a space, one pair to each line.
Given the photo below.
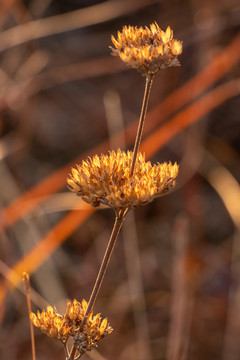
62, 327
107, 180
147, 49
51, 323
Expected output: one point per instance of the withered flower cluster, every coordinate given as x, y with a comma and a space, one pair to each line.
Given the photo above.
61, 327
107, 180
51, 323
147, 49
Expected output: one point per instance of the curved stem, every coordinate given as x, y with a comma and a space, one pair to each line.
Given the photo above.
148, 86
120, 216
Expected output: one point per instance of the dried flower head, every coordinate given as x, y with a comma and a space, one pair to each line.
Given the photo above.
107, 180
75, 313
147, 50
61, 327
51, 323
94, 330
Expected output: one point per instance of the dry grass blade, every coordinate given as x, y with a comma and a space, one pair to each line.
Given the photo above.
16, 279
228, 188
199, 83
41, 191
106, 65
182, 294
36, 29
189, 115
46, 247
229, 191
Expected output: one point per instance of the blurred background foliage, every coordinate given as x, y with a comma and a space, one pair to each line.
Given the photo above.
172, 290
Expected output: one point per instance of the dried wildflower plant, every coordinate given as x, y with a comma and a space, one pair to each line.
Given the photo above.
62, 327
120, 180
123, 180
147, 49
107, 180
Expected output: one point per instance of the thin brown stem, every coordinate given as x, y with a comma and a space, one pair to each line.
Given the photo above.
27, 289
120, 216
148, 86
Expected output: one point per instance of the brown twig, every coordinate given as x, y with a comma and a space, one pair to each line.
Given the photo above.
182, 299
77, 19
148, 86
27, 289
120, 216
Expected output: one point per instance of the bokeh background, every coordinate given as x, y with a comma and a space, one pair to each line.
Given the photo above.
172, 290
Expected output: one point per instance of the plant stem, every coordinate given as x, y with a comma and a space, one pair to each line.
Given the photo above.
27, 289
111, 243
148, 85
